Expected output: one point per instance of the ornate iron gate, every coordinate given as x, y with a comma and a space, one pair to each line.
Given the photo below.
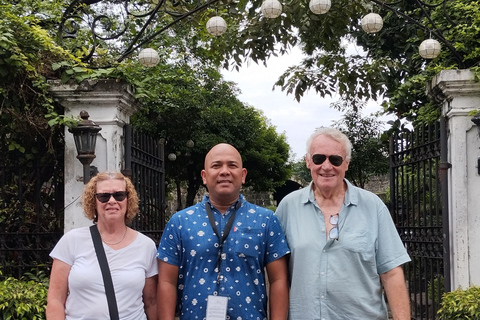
31, 215
419, 209
144, 164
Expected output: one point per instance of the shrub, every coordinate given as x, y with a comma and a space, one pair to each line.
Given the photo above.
22, 300
461, 304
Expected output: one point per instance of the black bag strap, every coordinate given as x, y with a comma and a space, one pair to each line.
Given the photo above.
107, 278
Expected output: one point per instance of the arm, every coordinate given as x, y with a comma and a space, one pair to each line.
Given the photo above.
58, 290
167, 290
150, 298
278, 296
394, 284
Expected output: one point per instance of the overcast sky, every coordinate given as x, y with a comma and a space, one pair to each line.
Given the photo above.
296, 119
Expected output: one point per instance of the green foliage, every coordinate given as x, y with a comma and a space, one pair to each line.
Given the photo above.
369, 151
30, 121
388, 65
301, 172
273, 208
460, 305
436, 287
188, 99
23, 299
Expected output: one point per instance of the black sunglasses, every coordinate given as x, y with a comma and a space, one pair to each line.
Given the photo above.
105, 197
320, 158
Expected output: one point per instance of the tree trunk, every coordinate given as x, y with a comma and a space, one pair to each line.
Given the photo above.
193, 185
179, 194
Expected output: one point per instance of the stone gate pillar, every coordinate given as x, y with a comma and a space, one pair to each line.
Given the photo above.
110, 105
460, 95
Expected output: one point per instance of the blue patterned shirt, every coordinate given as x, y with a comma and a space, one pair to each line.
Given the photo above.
189, 242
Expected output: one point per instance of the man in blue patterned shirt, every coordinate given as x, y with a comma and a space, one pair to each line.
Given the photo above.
212, 256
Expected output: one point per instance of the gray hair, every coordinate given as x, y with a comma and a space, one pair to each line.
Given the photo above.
334, 134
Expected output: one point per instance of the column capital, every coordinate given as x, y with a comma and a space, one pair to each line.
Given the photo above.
95, 94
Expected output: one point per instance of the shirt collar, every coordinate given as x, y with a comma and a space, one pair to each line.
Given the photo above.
239, 202
351, 195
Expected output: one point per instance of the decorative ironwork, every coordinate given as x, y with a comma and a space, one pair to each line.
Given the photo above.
144, 163
418, 211
132, 22
31, 220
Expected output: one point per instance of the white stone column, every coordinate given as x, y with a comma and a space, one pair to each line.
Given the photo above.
109, 104
461, 95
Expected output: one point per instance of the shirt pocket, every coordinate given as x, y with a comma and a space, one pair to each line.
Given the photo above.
248, 243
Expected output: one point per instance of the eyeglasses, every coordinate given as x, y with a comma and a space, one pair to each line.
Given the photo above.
105, 197
333, 234
334, 159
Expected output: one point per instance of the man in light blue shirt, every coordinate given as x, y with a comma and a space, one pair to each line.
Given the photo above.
345, 249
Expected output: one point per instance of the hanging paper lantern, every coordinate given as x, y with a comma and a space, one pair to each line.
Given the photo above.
429, 49
320, 6
148, 57
372, 23
216, 26
172, 157
190, 143
271, 9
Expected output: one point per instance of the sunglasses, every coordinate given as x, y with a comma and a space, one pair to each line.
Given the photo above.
320, 158
333, 234
105, 197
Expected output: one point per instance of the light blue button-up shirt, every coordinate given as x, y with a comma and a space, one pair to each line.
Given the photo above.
339, 279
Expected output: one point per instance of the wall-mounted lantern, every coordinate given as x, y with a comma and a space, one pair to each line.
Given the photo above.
85, 136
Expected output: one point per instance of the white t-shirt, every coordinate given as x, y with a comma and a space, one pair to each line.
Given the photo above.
129, 267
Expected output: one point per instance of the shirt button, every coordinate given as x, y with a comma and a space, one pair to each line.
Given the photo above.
324, 250
323, 297
322, 273
323, 229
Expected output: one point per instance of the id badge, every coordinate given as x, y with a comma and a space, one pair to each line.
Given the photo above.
217, 307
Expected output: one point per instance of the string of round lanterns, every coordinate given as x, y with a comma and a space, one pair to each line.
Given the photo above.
271, 9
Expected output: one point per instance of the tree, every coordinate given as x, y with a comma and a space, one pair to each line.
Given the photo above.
390, 67
301, 172
183, 98
188, 101
369, 151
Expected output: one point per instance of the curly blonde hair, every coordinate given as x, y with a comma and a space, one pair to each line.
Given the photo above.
89, 203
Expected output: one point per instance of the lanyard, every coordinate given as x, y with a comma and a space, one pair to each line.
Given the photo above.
222, 239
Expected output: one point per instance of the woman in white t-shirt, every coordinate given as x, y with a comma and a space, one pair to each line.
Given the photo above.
76, 285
